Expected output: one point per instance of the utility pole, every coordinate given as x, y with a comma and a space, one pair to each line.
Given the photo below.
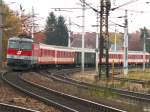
104, 36
1, 32
125, 64
83, 33
144, 51
69, 38
32, 28
97, 41
115, 39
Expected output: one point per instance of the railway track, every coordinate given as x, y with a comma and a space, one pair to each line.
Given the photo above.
138, 81
144, 82
59, 76
11, 108
132, 80
64, 102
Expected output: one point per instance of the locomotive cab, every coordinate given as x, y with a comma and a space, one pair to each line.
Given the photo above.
19, 53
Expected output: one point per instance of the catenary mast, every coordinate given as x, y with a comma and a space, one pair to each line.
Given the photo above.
104, 36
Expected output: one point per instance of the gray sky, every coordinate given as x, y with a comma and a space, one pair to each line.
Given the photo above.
43, 7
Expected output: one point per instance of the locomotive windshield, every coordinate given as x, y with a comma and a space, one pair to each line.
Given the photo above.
25, 45
13, 44
20, 45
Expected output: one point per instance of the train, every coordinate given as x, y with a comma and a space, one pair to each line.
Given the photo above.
25, 53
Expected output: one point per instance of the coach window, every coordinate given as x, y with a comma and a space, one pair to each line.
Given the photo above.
114, 56
136, 57
69, 54
64, 53
44, 52
41, 52
47, 52
129, 56
50, 52
110, 55
57, 53
60, 54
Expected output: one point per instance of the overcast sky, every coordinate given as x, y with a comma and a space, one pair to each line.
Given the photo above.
43, 7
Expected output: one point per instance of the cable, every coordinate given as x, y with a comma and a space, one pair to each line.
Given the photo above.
94, 9
117, 24
132, 1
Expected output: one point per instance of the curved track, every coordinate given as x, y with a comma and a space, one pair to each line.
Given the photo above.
132, 80
61, 76
11, 108
62, 101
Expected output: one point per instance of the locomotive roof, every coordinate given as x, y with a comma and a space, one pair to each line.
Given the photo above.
20, 39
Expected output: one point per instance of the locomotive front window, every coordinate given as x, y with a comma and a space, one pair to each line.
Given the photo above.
26, 45
13, 44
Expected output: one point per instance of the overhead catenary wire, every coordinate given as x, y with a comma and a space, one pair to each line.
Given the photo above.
112, 9
127, 3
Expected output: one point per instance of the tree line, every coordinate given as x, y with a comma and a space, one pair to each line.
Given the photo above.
56, 30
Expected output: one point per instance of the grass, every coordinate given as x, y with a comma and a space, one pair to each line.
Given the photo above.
138, 74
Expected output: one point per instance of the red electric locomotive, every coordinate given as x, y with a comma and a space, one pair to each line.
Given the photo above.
22, 53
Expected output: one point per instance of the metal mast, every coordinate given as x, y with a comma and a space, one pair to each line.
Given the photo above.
125, 64
83, 32
69, 38
1, 31
104, 36
97, 42
32, 30
144, 51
